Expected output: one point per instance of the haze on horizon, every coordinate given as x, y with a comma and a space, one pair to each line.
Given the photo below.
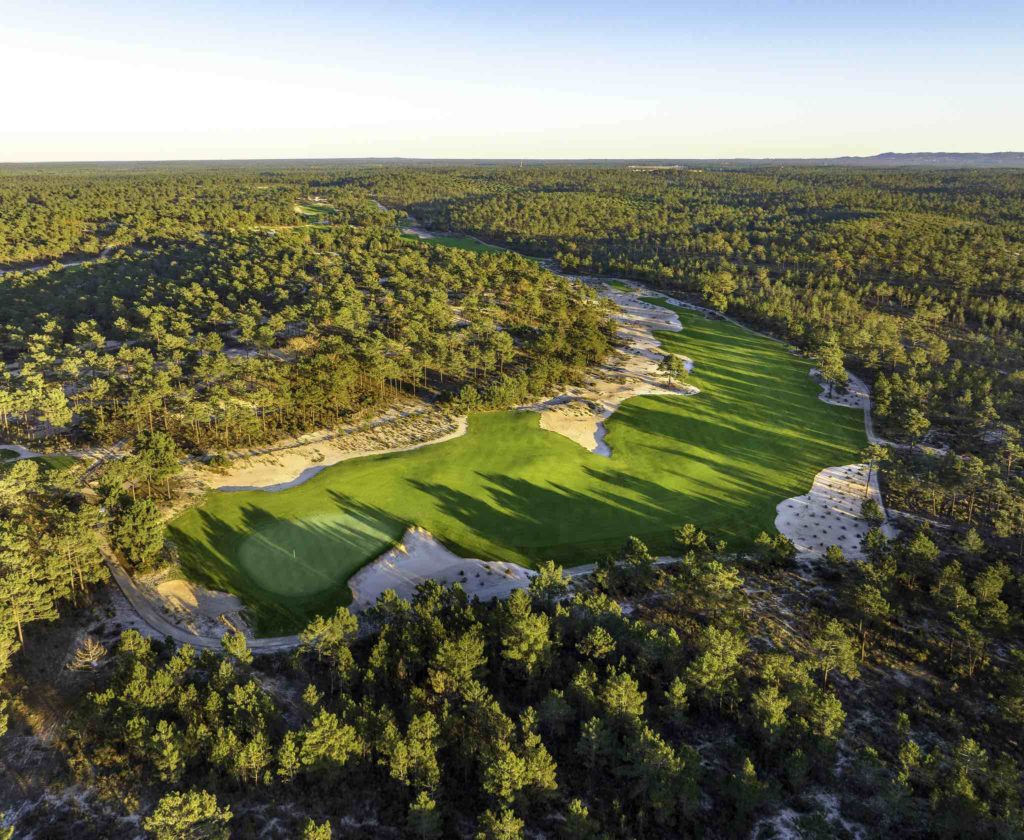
148, 81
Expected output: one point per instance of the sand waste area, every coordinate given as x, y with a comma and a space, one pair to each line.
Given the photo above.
580, 413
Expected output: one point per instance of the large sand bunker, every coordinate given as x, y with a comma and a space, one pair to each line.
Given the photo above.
830, 513
420, 557
580, 413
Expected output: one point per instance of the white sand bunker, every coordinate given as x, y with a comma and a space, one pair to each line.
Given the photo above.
830, 513
855, 395
579, 414
420, 557
196, 609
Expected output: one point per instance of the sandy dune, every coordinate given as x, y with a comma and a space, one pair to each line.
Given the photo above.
580, 413
283, 468
420, 557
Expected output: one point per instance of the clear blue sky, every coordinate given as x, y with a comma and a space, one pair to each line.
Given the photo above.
185, 79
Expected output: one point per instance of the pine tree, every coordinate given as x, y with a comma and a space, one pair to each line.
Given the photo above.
167, 757
313, 831
138, 533
236, 646
28, 586
193, 815
424, 819
525, 635
834, 651
504, 825
831, 363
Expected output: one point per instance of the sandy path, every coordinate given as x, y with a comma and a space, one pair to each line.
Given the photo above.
580, 413
20, 451
855, 395
62, 261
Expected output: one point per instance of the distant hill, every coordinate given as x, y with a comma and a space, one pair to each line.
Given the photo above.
934, 159
886, 160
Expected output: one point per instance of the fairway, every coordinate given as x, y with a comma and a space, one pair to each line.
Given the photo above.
466, 243
756, 434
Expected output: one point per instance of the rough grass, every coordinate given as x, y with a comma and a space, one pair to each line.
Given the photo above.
756, 434
55, 462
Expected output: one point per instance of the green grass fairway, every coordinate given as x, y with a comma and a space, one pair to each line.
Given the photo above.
46, 462
756, 434
467, 243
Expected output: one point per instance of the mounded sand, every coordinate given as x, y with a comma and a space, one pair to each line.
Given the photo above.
418, 558
580, 413
202, 611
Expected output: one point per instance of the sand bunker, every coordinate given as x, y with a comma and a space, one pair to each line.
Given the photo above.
855, 395
580, 413
196, 609
420, 557
830, 513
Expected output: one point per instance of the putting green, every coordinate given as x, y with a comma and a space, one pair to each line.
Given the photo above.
508, 490
298, 558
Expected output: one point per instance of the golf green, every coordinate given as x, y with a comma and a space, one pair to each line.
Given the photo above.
508, 490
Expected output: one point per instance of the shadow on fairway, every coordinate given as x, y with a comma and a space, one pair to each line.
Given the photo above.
286, 570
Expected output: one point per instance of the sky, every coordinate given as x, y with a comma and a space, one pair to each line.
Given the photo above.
143, 80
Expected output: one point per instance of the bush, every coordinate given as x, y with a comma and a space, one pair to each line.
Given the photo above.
872, 512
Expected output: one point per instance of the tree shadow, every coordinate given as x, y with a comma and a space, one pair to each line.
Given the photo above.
285, 570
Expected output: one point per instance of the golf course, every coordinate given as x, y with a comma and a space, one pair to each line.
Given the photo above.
508, 490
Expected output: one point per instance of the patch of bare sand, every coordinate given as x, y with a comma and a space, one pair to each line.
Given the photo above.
580, 413
418, 558
830, 513
204, 612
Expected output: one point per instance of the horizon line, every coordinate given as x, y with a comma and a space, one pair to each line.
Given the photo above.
525, 159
